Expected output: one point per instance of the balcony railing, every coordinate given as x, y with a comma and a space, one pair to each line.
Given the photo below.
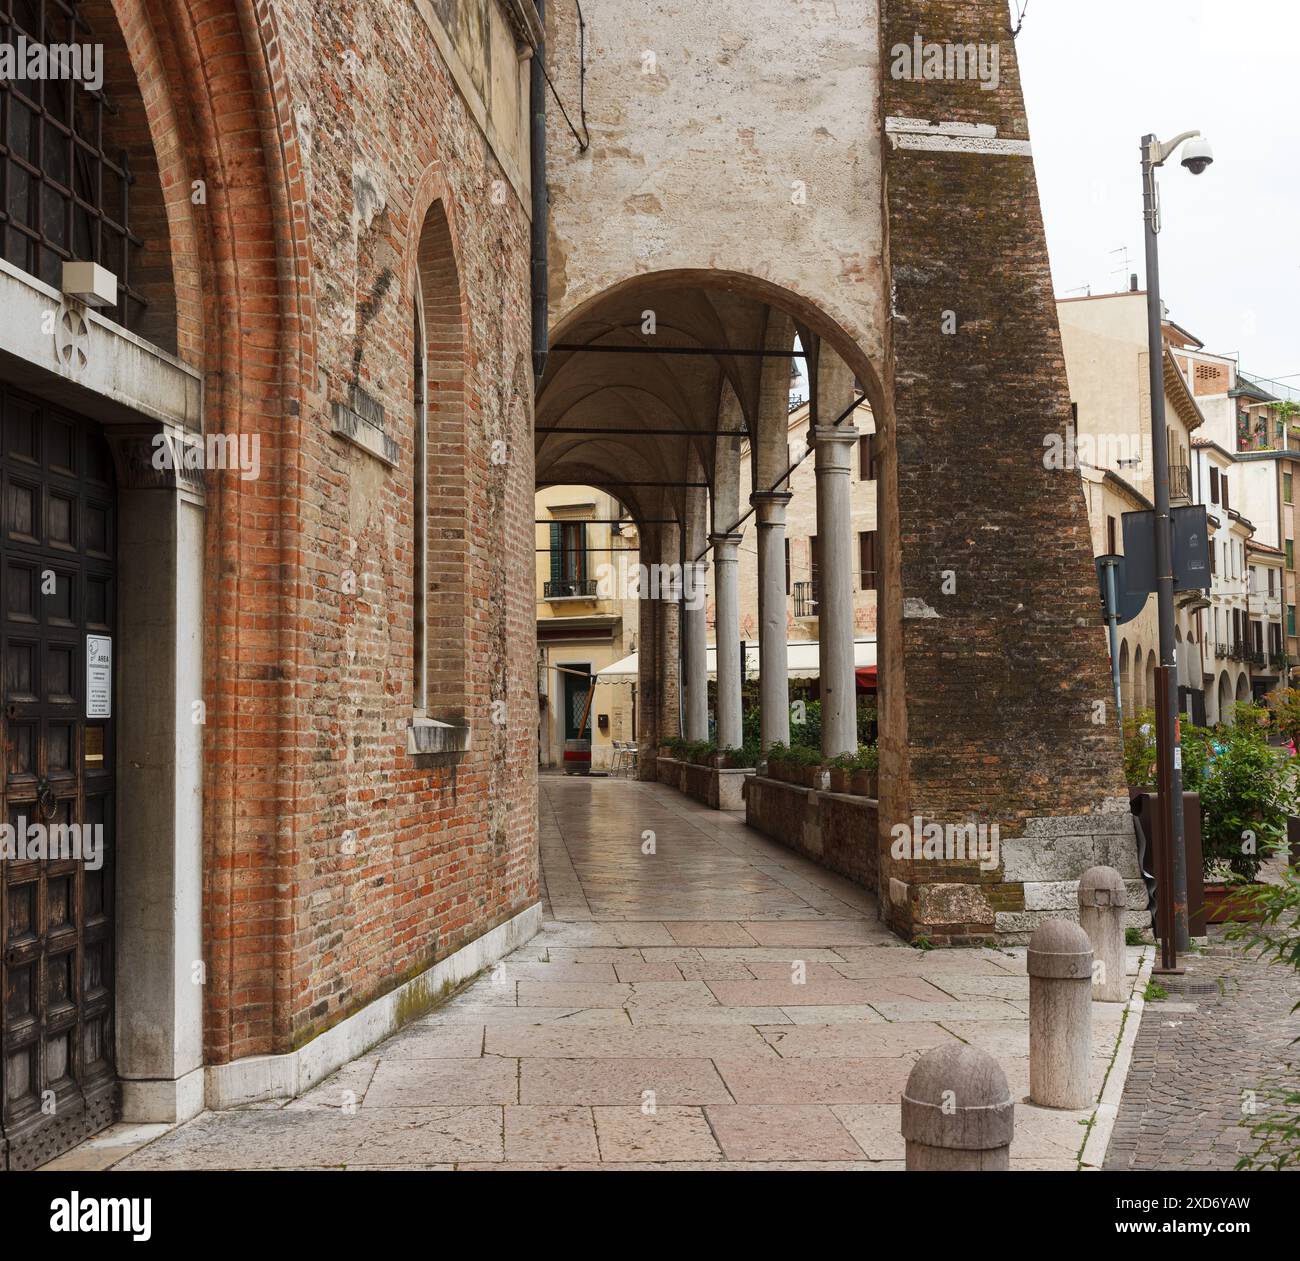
570, 589
805, 599
1180, 481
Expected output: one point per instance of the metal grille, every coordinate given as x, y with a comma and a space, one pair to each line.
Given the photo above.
63, 196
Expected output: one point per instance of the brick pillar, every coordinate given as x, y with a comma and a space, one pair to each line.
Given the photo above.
993, 650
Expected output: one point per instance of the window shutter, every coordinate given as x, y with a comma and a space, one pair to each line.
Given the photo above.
867, 457
557, 559
867, 559
1214, 485
1223, 481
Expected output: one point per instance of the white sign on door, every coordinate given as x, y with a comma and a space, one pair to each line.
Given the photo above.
99, 676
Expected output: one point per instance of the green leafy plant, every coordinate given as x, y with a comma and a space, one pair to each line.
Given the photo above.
1132, 936
1140, 749
809, 732
1246, 795
743, 758
1155, 992
1284, 707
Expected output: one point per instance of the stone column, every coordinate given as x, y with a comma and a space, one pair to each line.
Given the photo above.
727, 631
834, 461
697, 641
773, 665
647, 691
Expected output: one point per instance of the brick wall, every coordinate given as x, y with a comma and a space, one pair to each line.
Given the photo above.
340, 162
1001, 672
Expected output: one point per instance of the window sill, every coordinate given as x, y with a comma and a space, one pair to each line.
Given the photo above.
427, 736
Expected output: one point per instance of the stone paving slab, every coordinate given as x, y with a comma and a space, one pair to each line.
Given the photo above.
721, 1004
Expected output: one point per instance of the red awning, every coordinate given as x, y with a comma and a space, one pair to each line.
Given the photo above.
866, 678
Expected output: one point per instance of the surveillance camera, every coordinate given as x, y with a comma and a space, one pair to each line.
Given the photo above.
1197, 155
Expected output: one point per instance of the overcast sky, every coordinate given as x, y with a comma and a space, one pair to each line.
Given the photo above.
1097, 75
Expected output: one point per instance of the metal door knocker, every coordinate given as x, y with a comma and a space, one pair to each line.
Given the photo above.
46, 803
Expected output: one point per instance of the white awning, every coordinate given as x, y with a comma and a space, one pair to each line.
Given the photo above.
801, 661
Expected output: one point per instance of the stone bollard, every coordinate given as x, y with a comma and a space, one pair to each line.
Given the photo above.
1059, 963
1103, 900
957, 1111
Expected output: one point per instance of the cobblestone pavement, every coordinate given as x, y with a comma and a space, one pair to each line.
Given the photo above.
1196, 1056
721, 1002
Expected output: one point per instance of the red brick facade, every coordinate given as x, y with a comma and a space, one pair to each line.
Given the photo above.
340, 167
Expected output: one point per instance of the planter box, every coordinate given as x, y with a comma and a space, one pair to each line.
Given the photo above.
1218, 899
840, 780
865, 784
837, 830
720, 788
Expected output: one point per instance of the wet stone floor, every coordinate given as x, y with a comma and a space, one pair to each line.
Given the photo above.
720, 1002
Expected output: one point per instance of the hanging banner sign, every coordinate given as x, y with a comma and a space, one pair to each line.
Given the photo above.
99, 676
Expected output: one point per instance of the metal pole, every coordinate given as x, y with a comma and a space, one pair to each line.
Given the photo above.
1112, 621
1169, 752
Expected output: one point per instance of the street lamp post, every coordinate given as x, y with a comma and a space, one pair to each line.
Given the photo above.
1175, 936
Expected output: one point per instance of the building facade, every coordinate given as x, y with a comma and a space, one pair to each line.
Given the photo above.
587, 558
267, 475
1108, 364
270, 617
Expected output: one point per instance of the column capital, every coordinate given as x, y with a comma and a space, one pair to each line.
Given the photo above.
724, 547
832, 448
835, 433
769, 506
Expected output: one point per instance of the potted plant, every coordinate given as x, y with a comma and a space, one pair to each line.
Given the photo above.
866, 771
744, 758
777, 757
841, 771
808, 765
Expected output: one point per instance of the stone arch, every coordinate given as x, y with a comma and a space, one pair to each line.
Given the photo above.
217, 107
1139, 679
1151, 678
1125, 679
1225, 697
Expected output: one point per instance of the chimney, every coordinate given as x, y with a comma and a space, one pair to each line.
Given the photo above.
1133, 283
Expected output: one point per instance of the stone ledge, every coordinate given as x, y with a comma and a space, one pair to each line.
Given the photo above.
427, 736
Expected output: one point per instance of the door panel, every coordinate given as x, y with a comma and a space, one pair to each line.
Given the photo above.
57, 586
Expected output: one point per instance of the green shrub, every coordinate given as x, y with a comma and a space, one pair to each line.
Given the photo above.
808, 733
743, 758
1140, 749
1246, 795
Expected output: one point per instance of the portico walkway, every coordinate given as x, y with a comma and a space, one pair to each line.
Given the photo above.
699, 996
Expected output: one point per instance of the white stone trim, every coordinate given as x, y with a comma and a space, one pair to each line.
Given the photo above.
134, 377
260, 1077
952, 137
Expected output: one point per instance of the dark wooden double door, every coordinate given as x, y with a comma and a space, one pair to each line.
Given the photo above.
58, 1082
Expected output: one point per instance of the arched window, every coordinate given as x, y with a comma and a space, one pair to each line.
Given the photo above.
80, 176
439, 577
